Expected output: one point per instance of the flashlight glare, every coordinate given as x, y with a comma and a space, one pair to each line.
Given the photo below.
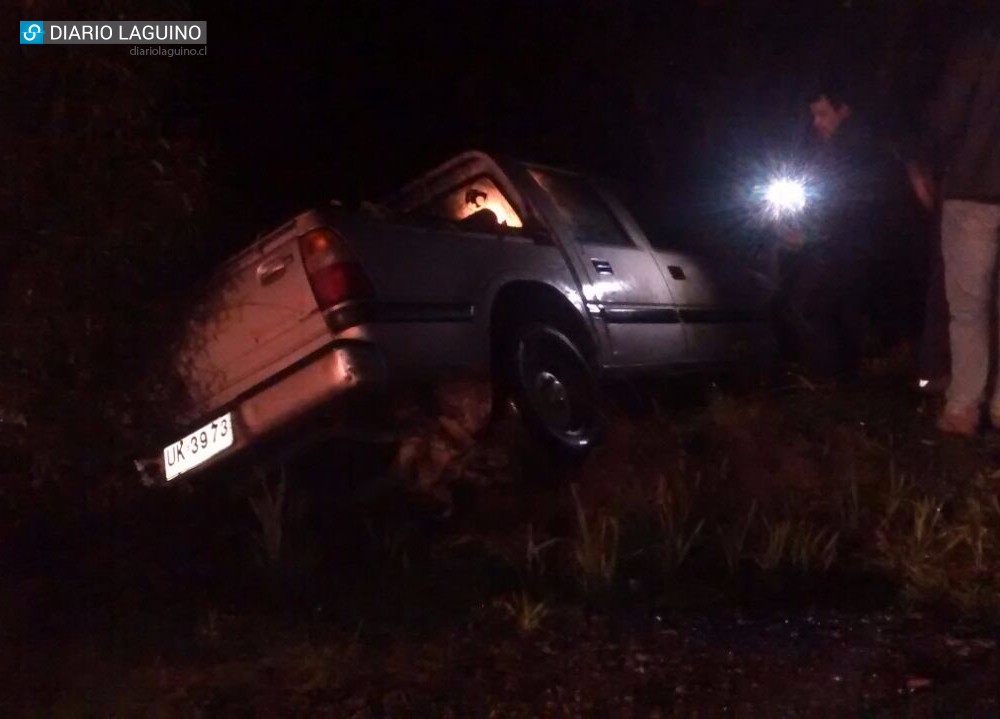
785, 196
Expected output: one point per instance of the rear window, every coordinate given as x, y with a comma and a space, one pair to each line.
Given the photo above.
476, 204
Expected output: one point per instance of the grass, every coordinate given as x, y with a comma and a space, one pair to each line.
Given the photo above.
798, 485
944, 550
732, 538
812, 484
793, 486
794, 497
596, 545
675, 503
269, 509
790, 495
525, 611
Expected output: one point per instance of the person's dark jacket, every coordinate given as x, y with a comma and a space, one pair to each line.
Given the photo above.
850, 175
965, 119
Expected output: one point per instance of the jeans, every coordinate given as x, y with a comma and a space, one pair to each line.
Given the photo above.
825, 310
970, 235
785, 317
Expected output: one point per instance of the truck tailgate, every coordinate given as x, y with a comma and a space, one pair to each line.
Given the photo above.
258, 317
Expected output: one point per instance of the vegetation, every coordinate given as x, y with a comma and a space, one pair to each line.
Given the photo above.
99, 254
754, 501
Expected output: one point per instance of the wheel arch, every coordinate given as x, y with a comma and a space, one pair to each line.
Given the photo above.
521, 301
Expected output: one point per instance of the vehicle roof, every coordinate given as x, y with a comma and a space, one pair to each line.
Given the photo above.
464, 165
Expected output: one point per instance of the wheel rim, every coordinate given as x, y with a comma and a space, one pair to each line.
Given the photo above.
552, 400
557, 389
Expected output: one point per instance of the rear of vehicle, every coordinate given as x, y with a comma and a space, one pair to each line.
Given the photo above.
326, 308
261, 351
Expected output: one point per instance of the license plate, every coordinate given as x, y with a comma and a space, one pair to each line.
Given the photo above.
198, 447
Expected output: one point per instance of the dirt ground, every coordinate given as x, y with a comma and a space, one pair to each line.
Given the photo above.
639, 664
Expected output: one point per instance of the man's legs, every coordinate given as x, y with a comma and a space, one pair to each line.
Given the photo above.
784, 319
969, 243
829, 294
854, 289
814, 314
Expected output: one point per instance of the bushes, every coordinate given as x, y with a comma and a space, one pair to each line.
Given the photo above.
99, 260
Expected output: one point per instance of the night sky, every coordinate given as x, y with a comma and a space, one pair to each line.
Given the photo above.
348, 100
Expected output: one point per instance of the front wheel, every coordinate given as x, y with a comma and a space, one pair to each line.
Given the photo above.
554, 388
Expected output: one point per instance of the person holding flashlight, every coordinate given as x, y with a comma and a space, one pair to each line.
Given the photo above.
829, 251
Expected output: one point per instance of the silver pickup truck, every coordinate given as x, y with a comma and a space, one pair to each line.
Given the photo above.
536, 277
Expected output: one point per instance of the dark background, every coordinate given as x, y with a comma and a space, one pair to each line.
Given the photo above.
348, 99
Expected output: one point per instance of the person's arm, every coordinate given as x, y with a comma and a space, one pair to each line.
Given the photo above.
792, 238
922, 184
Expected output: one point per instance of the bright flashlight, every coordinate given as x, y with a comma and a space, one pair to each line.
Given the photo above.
785, 196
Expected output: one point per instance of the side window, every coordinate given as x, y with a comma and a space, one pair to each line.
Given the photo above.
477, 205
666, 220
582, 208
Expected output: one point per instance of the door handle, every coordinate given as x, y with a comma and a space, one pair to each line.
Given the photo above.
271, 270
603, 267
676, 272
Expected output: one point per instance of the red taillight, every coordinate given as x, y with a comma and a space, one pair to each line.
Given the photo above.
339, 282
334, 273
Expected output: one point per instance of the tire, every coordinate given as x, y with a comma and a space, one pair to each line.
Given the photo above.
554, 389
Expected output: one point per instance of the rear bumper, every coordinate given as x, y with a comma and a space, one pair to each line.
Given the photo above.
346, 369
344, 372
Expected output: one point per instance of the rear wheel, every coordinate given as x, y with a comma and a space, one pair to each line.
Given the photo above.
554, 388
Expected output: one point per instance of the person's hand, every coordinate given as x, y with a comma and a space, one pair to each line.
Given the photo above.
792, 239
922, 184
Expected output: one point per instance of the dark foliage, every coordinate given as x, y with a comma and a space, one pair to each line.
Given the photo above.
103, 237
